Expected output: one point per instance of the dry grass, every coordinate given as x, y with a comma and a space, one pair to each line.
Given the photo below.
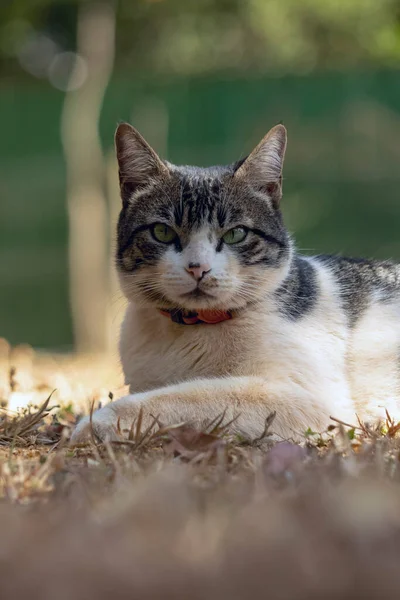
181, 513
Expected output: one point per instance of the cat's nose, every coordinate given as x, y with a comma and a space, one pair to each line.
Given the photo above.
198, 270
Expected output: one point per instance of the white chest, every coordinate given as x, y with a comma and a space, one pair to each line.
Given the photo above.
157, 352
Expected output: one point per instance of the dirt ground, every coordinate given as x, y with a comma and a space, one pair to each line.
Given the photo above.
181, 513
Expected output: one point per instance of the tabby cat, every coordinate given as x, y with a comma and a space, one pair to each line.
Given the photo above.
224, 314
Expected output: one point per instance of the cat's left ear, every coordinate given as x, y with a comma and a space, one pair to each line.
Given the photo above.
263, 167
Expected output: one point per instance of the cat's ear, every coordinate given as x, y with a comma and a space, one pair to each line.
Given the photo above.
137, 161
263, 167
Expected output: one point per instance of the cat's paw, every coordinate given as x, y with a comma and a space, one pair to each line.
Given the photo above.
104, 427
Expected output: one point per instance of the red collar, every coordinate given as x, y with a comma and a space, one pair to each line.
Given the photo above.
209, 317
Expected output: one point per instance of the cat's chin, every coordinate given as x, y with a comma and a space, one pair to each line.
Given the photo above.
191, 301
195, 304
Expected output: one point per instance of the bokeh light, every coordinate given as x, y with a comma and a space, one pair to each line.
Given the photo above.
37, 53
68, 71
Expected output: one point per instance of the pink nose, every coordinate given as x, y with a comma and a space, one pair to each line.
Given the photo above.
197, 270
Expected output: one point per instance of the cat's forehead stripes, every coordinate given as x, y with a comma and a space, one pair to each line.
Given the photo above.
189, 200
201, 201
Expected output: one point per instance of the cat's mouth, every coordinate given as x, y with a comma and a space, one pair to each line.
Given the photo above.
197, 293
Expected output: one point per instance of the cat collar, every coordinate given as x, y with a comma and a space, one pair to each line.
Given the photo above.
209, 317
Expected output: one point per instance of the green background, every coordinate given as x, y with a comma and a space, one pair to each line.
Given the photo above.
341, 174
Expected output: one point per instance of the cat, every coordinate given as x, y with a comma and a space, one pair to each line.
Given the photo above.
225, 315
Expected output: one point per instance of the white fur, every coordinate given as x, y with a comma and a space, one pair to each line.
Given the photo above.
177, 281
373, 361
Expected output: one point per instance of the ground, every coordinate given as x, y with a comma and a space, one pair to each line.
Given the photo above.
181, 513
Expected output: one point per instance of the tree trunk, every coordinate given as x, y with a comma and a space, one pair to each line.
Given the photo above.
85, 164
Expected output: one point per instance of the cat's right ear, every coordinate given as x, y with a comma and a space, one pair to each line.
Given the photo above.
138, 163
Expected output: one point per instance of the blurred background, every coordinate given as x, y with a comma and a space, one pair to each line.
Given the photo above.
203, 81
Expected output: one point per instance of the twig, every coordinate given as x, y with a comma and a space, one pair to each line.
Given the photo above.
215, 423
268, 422
93, 434
345, 424
139, 425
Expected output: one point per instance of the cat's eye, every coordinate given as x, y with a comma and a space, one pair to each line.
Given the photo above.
163, 233
235, 235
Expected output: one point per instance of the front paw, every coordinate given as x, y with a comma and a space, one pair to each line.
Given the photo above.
104, 427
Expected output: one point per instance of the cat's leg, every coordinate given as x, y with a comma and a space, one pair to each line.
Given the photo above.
250, 399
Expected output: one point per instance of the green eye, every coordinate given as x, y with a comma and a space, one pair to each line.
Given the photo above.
163, 233
235, 235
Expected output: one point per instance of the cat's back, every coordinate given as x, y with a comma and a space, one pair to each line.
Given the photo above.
362, 283
369, 294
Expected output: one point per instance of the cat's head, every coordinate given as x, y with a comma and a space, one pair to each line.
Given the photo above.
201, 238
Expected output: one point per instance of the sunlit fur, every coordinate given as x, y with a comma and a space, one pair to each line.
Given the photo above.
310, 337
